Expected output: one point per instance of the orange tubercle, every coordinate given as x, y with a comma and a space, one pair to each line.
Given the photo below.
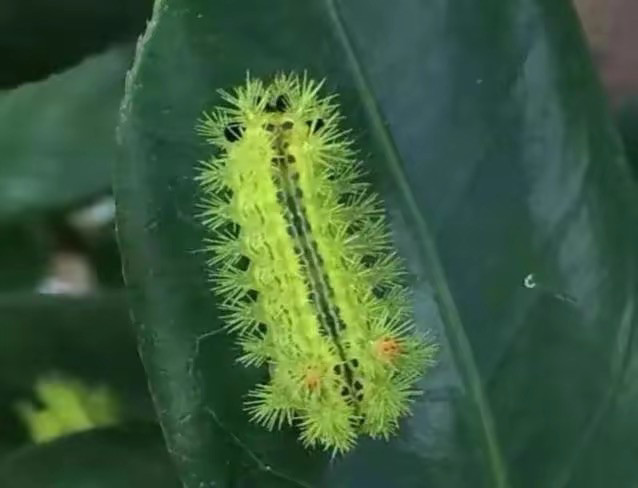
387, 349
312, 379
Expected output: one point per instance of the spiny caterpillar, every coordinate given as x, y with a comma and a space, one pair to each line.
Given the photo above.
302, 262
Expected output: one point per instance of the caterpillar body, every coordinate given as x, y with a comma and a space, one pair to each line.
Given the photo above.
303, 264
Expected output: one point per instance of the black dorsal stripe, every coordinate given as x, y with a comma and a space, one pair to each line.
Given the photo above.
319, 290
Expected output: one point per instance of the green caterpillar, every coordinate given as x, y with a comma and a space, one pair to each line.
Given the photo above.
303, 264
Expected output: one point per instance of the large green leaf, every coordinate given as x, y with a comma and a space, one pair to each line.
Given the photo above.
484, 130
131, 456
57, 139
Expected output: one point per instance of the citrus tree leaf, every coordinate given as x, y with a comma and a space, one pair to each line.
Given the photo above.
484, 129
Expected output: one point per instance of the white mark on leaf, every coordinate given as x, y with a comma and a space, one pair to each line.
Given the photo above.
529, 281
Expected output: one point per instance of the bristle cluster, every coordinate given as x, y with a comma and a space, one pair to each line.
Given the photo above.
303, 264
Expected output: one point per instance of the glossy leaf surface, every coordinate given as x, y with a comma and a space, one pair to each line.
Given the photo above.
508, 194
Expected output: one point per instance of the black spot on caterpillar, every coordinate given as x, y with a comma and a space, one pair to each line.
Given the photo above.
277, 103
315, 125
307, 279
233, 132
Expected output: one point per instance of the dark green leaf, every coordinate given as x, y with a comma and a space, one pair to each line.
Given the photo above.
57, 136
38, 37
628, 125
484, 129
24, 249
131, 456
88, 339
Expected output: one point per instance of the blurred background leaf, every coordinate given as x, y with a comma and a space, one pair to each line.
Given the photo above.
39, 37
57, 136
62, 318
129, 456
628, 126
25, 247
87, 339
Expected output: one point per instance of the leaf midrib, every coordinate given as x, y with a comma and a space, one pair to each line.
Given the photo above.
460, 346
